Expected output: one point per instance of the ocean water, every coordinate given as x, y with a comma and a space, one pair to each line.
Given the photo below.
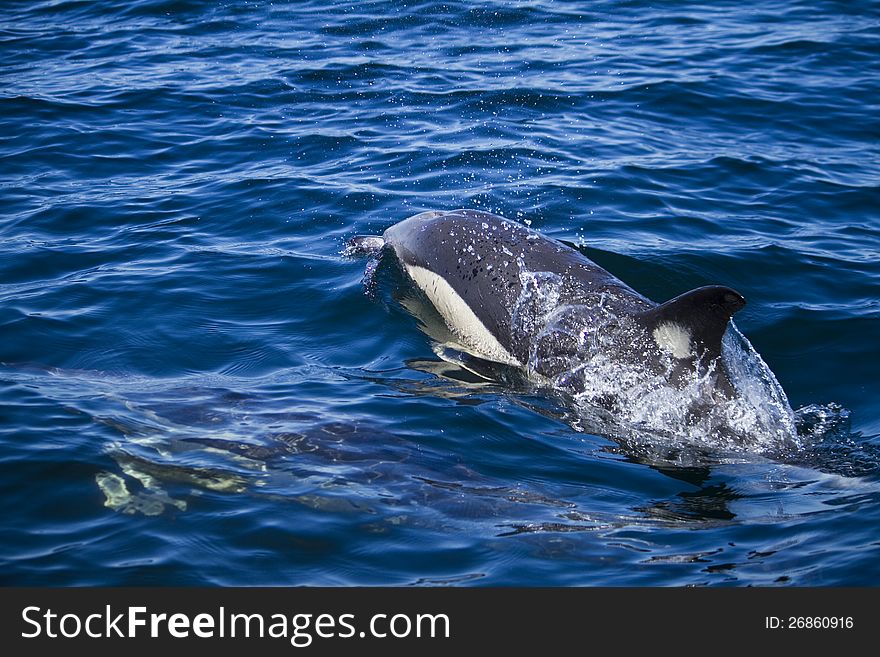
197, 389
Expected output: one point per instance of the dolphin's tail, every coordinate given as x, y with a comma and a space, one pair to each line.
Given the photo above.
364, 245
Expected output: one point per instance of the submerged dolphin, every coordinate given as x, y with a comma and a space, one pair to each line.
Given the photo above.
511, 295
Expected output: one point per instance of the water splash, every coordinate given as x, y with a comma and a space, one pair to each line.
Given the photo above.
758, 387
817, 422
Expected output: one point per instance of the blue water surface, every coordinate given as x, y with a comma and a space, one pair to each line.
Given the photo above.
196, 390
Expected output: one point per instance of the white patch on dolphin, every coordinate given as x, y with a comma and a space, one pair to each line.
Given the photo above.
459, 316
674, 338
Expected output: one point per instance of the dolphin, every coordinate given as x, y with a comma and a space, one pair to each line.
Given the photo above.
476, 269
512, 296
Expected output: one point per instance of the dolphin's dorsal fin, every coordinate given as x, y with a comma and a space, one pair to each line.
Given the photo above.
692, 324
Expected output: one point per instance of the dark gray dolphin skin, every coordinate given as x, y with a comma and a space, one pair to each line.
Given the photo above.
513, 296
